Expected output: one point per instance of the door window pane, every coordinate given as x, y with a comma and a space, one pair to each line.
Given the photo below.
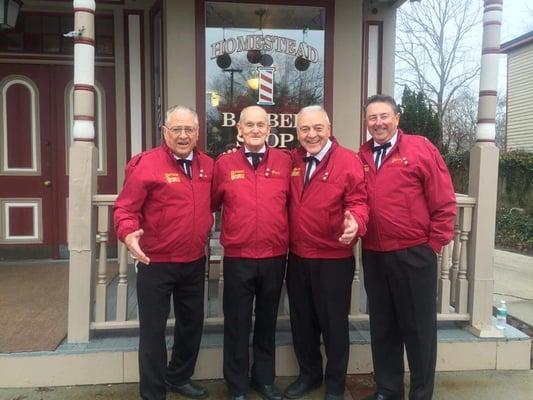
259, 54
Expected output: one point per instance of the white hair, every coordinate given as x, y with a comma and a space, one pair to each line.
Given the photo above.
314, 107
179, 108
245, 109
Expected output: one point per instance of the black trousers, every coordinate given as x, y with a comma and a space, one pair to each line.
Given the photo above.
402, 291
155, 284
319, 296
244, 279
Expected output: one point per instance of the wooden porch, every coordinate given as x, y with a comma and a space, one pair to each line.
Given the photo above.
109, 355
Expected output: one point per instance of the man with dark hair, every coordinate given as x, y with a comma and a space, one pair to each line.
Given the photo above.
163, 215
327, 213
252, 187
412, 212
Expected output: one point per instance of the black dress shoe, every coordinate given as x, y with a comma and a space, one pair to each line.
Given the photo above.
300, 387
241, 396
188, 389
267, 392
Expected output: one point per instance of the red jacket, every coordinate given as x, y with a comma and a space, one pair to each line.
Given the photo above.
411, 197
316, 214
254, 203
173, 210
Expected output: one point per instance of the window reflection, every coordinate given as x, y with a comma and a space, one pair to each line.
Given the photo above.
270, 55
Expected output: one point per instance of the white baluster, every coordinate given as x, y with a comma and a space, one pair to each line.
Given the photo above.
122, 288
461, 294
101, 277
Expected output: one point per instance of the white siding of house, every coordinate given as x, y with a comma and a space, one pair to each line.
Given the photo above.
520, 99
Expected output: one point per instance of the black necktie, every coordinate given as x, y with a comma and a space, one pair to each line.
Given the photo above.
309, 160
256, 158
382, 150
186, 165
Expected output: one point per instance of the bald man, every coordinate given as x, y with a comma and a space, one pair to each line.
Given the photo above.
251, 186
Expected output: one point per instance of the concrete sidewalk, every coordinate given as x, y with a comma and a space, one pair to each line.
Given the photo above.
513, 282
468, 385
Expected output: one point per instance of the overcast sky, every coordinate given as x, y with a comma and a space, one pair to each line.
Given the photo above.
517, 18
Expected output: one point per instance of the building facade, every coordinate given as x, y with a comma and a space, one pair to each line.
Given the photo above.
213, 56
217, 57
518, 130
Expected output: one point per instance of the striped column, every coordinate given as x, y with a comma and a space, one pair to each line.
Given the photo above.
483, 182
83, 164
266, 86
83, 129
486, 123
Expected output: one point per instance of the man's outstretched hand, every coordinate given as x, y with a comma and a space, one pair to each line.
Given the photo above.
132, 242
350, 228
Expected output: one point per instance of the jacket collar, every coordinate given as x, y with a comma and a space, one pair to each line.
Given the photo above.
302, 152
366, 148
195, 153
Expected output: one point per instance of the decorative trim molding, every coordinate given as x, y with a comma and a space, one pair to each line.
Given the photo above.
34, 116
36, 205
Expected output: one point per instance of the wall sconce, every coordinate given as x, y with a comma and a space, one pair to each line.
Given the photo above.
9, 12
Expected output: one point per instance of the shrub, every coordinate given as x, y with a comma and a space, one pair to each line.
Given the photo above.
514, 230
515, 177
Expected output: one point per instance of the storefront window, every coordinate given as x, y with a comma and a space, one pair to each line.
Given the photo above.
259, 54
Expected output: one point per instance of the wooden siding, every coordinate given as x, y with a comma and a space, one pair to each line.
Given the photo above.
520, 99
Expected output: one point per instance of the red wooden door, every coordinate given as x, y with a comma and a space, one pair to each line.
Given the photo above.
35, 136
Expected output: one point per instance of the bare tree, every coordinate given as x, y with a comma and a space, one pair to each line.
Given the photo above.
435, 50
501, 114
459, 121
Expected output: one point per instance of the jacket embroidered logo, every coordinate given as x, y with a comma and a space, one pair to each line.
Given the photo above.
172, 177
295, 172
402, 160
238, 174
274, 172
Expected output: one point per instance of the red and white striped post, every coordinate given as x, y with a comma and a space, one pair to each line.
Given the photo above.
83, 129
266, 86
82, 177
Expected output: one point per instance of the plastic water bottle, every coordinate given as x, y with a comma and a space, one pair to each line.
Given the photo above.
501, 315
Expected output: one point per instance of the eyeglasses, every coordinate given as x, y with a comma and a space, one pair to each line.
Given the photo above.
176, 130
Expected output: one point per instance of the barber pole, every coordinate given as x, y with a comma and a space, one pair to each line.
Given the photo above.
266, 86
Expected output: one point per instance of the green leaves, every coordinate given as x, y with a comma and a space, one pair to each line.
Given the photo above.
417, 117
514, 230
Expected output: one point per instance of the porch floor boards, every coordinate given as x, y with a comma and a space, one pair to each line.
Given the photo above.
448, 332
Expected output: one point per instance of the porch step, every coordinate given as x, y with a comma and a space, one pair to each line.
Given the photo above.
111, 357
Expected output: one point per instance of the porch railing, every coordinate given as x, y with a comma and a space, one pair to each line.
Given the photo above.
115, 305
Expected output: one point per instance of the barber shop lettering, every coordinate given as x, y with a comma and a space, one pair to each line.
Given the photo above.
278, 139
278, 44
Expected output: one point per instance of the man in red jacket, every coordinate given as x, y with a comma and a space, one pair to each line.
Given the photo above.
252, 187
412, 212
163, 215
327, 212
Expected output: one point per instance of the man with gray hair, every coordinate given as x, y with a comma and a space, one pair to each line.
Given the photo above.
327, 212
163, 215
